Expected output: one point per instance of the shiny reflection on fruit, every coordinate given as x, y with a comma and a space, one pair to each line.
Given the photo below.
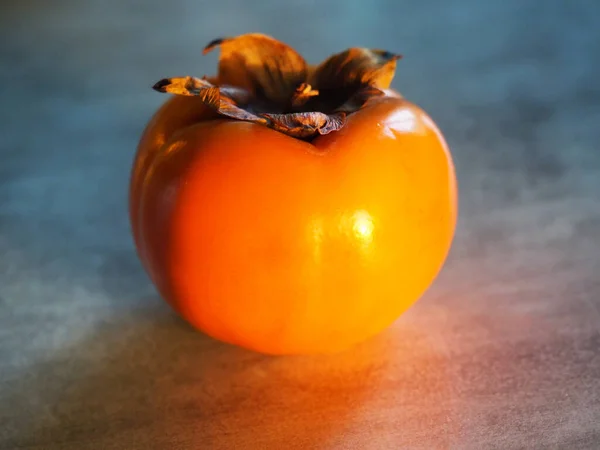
403, 121
362, 226
317, 232
354, 228
358, 227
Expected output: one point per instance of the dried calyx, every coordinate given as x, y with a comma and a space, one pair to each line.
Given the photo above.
264, 81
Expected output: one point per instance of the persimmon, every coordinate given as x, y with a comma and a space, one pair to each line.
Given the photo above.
288, 208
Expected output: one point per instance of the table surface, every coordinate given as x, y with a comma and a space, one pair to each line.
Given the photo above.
503, 352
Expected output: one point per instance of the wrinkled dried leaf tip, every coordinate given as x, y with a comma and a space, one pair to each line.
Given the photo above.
389, 56
212, 45
161, 86
264, 81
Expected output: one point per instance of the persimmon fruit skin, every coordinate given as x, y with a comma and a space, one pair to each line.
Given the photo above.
282, 246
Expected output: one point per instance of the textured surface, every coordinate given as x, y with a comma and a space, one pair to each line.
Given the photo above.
502, 353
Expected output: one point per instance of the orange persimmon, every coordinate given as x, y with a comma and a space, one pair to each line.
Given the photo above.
291, 209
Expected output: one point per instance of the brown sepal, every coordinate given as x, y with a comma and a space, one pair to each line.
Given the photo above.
260, 64
222, 100
305, 125
264, 81
355, 67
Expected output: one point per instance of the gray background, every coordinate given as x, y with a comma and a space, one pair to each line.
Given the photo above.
501, 353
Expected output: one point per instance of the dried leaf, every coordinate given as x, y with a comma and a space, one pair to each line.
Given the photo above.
211, 96
264, 81
355, 67
306, 124
303, 93
260, 64
357, 100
